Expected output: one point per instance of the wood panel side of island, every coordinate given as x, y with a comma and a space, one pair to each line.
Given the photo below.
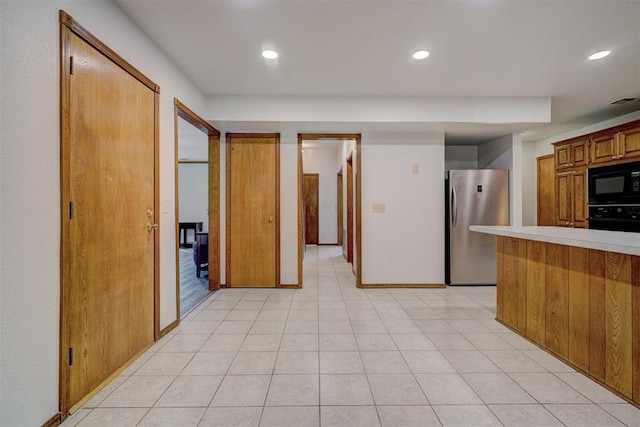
557, 296
582, 305
596, 314
618, 367
578, 302
536, 285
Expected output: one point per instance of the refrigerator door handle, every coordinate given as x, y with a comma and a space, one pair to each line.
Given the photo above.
454, 207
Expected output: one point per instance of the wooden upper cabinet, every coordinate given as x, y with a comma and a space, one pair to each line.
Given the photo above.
629, 143
603, 148
572, 153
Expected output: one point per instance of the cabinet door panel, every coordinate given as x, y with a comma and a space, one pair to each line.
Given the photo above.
563, 199
580, 153
603, 149
629, 143
578, 199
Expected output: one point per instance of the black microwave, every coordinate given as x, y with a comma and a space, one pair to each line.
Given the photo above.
616, 184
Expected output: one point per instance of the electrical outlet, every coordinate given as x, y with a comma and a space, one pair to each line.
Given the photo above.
378, 207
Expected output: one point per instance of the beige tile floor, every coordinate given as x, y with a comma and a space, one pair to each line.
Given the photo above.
334, 355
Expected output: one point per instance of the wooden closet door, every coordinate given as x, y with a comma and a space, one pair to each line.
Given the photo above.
111, 199
311, 208
253, 210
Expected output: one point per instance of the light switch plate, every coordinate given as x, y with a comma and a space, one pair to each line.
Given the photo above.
415, 168
165, 206
378, 207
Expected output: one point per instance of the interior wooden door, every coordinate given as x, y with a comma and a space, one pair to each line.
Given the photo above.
253, 244
546, 191
350, 209
311, 216
110, 220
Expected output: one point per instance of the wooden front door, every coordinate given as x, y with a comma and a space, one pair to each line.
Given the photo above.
109, 251
311, 220
546, 191
253, 238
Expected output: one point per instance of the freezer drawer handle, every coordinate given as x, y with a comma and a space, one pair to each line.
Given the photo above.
454, 207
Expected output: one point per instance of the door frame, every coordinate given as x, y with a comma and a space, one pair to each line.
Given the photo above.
228, 137
339, 194
350, 234
68, 28
317, 207
181, 111
358, 184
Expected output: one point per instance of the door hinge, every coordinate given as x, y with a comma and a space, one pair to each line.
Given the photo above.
71, 65
70, 210
70, 356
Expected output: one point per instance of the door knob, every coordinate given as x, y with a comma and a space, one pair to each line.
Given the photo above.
272, 218
152, 226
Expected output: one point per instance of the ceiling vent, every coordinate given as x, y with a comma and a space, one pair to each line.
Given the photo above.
623, 101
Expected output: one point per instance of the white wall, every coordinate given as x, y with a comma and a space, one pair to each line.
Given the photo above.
460, 157
30, 189
323, 162
346, 149
193, 193
529, 184
406, 243
289, 208
506, 153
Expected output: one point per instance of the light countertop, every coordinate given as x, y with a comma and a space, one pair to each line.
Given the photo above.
611, 241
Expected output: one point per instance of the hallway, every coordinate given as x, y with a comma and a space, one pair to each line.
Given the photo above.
334, 355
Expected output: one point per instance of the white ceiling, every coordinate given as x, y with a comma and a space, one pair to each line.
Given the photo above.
363, 48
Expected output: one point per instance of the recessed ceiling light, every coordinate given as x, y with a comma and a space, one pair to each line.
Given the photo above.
599, 55
420, 54
270, 54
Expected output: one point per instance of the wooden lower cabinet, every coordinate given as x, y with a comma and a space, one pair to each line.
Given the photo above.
582, 305
571, 201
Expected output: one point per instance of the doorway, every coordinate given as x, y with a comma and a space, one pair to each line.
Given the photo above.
311, 188
197, 189
109, 231
546, 200
350, 144
253, 210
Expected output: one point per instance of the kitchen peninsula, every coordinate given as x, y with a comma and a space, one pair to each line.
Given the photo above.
575, 293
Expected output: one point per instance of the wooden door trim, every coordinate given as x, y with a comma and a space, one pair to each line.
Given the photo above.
69, 27
358, 184
213, 188
318, 205
339, 206
229, 137
73, 25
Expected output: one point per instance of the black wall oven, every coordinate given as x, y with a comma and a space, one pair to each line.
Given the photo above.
614, 197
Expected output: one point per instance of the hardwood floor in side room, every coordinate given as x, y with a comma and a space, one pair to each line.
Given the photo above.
193, 290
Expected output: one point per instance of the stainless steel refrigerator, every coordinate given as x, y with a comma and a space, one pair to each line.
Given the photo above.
473, 197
